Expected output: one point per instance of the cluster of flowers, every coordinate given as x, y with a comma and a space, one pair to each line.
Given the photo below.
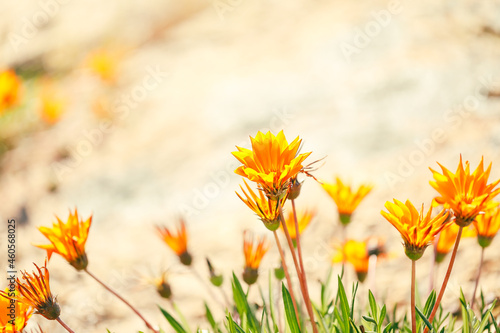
51, 102
273, 166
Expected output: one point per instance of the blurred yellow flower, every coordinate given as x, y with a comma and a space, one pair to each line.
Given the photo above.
266, 208
104, 63
355, 253
346, 198
68, 239
13, 315
446, 239
35, 292
303, 220
254, 251
465, 193
487, 226
417, 230
271, 163
10, 89
177, 241
52, 102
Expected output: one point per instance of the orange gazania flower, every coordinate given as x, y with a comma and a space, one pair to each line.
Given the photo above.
465, 193
52, 103
417, 230
267, 209
355, 253
35, 292
487, 226
271, 163
254, 252
68, 239
446, 239
303, 220
346, 198
13, 315
10, 87
177, 241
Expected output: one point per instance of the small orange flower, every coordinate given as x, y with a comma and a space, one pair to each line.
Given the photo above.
35, 292
267, 209
10, 89
446, 239
52, 103
346, 198
68, 239
355, 253
13, 315
177, 241
254, 252
104, 63
487, 226
465, 193
303, 220
417, 230
271, 163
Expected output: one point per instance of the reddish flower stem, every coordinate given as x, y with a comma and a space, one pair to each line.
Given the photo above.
123, 300
413, 314
477, 278
287, 274
303, 287
307, 299
63, 324
446, 278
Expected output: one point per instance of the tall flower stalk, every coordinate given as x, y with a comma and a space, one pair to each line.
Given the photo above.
299, 266
487, 226
467, 195
418, 231
268, 211
273, 164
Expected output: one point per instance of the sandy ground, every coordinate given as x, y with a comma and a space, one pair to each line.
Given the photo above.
382, 89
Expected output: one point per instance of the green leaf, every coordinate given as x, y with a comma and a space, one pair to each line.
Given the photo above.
466, 318
497, 328
354, 291
289, 310
174, 323
387, 328
370, 320
424, 318
383, 312
243, 307
429, 304
485, 319
210, 318
233, 327
344, 305
321, 319
373, 304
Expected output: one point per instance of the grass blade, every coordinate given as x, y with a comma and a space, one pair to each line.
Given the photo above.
289, 310
174, 323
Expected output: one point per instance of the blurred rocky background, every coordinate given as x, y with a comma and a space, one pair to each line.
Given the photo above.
129, 111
